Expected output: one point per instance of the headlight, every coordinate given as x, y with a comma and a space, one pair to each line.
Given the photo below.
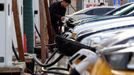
93, 41
96, 39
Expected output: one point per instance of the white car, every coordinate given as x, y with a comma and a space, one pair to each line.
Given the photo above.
83, 18
123, 42
98, 38
86, 29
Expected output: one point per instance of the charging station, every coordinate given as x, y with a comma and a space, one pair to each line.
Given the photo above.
5, 35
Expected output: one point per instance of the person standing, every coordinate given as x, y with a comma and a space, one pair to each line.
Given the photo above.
101, 4
57, 13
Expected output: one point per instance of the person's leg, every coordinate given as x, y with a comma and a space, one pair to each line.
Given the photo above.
55, 27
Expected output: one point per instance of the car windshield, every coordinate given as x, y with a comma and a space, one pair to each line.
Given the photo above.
131, 13
98, 11
125, 10
118, 9
94, 10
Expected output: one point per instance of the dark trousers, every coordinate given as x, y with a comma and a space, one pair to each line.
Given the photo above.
56, 28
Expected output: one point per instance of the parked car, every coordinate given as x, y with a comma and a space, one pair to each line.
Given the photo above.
115, 63
85, 30
89, 12
100, 37
82, 19
121, 41
94, 10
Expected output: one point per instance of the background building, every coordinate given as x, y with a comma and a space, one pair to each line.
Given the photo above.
80, 4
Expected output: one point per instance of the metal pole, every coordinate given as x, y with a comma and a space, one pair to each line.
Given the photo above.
42, 31
51, 32
18, 30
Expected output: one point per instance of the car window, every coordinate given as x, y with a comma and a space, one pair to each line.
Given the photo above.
125, 10
117, 9
128, 11
89, 12
100, 11
131, 13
